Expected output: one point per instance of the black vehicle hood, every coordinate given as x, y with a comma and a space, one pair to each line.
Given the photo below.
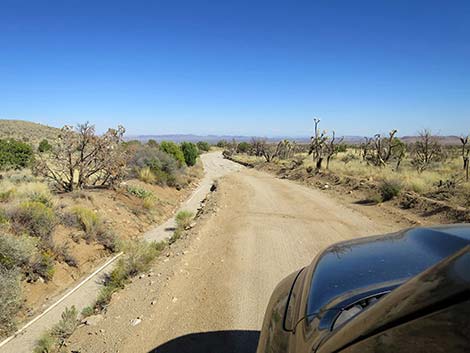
390, 259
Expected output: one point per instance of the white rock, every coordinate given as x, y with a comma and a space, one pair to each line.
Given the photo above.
136, 322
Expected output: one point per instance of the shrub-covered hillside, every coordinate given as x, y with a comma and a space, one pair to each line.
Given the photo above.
27, 131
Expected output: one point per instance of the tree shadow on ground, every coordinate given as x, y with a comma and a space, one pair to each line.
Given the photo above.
212, 342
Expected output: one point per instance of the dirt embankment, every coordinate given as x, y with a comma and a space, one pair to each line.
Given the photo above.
123, 213
210, 291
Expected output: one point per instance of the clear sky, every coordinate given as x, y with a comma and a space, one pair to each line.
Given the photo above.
238, 67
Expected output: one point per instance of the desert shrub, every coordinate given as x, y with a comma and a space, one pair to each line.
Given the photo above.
146, 175
67, 324
35, 191
15, 154
390, 189
89, 221
149, 202
45, 344
10, 299
35, 218
6, 195
53, 340
176, 235
109, 240
87, 311
43, 265
183, 219
203, 146
139, 192
174, 150
63, 254
222, 143
16, 251
137, 258
165, 168
148, 199
243, 147
44, 146
190, 153
3, 216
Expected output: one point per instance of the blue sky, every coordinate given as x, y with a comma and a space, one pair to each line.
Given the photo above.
238, 67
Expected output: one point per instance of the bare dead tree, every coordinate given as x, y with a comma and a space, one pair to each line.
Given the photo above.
83, 159
332, 148
384, 148
426, 150
465, 154
317, 144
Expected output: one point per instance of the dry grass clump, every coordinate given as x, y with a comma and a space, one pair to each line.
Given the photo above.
95, 229
146, 175
137, 258
34, 218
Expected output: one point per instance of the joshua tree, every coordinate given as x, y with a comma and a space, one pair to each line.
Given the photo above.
465, 154
317, 144
426, 150
384, 147
332, 148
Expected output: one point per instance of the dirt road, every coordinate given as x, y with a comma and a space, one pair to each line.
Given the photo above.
210, 294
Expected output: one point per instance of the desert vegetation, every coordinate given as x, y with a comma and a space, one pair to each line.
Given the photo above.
71, 197
382, 167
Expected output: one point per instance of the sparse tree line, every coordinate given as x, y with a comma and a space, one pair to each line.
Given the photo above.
379, 150
80, 158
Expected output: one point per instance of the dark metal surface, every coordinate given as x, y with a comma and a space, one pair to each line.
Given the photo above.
401, 275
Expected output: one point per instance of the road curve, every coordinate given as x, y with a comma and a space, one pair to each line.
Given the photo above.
85, 292
215, 296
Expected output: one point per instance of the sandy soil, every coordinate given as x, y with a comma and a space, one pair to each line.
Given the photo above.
210, 292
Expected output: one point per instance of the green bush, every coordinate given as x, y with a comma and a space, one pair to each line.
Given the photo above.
139, 192
10, 299
67, 324
390, 189
190, 153
137, 258
15, 251
45, 344
203, 146
53, 340
183, 219
43, 265
243, 147
44, 146
173, 149
35, 218
87, 311
164, 167
15, 154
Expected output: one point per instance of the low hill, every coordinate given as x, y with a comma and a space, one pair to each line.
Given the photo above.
27, 131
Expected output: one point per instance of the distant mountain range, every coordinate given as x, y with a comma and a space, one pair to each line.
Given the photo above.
33, 133
446, 140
